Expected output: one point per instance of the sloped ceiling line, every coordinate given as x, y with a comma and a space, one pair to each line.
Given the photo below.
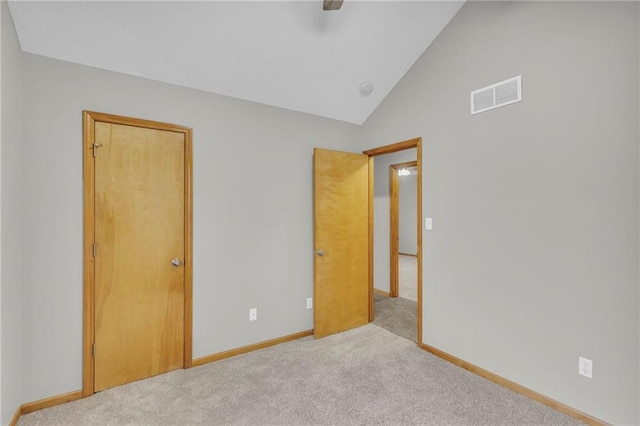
289, 54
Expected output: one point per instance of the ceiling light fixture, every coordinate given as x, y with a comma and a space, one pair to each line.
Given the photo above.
404, 172
331, 4
366, 88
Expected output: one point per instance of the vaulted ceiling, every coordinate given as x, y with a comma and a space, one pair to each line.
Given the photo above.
289, 54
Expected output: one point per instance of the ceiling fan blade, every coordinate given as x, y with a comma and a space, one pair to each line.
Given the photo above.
332, 4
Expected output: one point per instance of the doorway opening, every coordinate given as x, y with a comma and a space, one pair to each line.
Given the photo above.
394, 251
403, 230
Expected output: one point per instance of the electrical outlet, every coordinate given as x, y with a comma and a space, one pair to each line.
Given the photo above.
309, 302
585, 367
253, 314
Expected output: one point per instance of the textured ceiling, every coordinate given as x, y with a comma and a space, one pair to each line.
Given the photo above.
288, 54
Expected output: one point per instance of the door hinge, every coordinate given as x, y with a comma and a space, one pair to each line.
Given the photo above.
95, 249
93, 350
95, 148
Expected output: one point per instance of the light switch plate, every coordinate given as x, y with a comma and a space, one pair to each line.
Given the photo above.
428, 223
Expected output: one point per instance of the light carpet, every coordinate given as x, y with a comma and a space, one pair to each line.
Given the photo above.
408, 277
397, 315
363, 376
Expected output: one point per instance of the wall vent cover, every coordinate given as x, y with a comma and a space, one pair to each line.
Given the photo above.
500, 94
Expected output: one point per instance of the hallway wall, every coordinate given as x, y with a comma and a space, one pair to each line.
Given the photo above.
382, 214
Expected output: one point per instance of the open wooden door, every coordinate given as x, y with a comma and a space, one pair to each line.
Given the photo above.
341, 241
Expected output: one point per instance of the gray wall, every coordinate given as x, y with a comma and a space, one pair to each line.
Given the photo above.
533, 259
407, 214
10, 224
381, 211
252, 212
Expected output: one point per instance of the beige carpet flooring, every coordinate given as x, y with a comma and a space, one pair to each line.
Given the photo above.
397, 315
408, 277
365, 376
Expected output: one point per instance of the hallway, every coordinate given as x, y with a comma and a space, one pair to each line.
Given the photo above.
399, 315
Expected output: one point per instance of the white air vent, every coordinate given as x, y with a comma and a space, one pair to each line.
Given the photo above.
497, 95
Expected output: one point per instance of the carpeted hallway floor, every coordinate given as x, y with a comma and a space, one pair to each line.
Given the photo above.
397, 315
408, 277
360, 377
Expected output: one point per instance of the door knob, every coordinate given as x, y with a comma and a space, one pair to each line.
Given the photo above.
321, 252
176, 262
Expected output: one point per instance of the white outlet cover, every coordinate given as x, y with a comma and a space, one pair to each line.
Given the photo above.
309, 302
253, 314
428, 223
585, 367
